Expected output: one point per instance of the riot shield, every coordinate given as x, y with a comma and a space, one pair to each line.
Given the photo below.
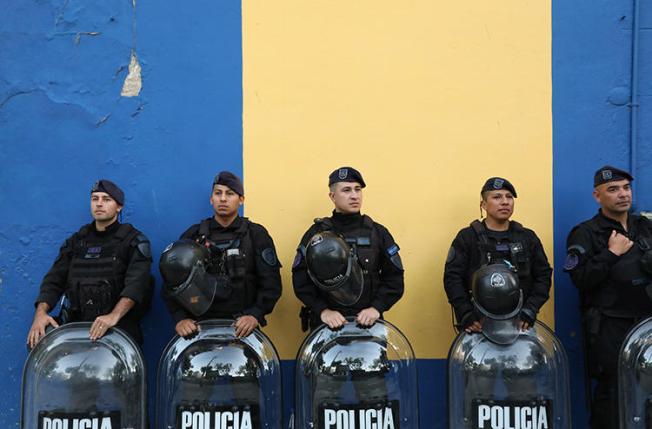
517, 385
635, 377
356, 378
72, 382
215, 380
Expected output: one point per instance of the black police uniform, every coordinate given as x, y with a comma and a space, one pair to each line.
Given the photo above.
97, 268
243, 254
477, 245
613, 298
377, 253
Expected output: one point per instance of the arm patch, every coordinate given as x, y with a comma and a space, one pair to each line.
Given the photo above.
269, 256
142, 243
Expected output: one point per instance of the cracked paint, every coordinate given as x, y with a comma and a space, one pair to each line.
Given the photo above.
133, 82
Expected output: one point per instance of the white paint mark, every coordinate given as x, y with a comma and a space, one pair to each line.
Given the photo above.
133, 82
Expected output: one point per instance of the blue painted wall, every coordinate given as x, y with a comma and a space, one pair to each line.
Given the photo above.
591, 70
63, 124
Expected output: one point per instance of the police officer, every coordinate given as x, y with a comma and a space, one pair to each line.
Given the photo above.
604, 259
376, 252
243, 259
104, 271
496, 239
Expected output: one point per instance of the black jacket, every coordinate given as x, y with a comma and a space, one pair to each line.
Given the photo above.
134, 256
262, 280
386, 270
614, 284
465, 257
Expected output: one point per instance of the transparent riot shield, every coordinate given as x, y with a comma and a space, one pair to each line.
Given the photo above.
72, 382
517, 385
356, 378
635, 377
218, 381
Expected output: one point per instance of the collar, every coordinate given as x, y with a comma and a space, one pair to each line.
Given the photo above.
609, 223
346, 218
214, 225
111, 229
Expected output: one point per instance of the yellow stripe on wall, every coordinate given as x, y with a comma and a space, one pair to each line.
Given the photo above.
426, 98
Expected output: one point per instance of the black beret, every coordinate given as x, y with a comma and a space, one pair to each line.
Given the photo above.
229, 179
610, 174
498, 183
346, 174
110, 188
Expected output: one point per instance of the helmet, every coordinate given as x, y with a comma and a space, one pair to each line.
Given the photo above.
183, 268
496, 292
333, 266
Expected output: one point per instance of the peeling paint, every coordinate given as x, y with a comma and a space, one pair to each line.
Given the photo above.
133, 83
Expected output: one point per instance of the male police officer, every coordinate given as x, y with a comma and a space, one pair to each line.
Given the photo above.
375, 250
242, 256
604, 260
496, 239
103, 269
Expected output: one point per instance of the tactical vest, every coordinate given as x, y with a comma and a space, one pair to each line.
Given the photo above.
624, 292
366, 243
233, 259
97, 271
516, 251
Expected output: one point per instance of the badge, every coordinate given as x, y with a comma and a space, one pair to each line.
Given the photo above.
607, 175
316, 240
497, 280
498, 183
572, 260
269, 256
343, 173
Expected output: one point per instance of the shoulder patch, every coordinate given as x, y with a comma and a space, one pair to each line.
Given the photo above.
269, 256
393, 249
396, 260
145, 249
572, 260
451, 255
297, 259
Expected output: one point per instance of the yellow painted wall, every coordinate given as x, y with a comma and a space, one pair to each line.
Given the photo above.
427, 98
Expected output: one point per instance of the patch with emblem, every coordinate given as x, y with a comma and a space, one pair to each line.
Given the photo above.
93, 252
269, 256
498, 183
497, 280
572, 260
607, 174
144, 246
297, 259
318, 238
393, 249
396, 260
451, 255
343, 173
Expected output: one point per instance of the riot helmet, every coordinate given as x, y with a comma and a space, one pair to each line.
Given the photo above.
333, 266
496, 292
183, 268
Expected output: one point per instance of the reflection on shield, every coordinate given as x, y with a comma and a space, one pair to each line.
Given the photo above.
635, 377
523, 383
70, 381
356, 377
217, 380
